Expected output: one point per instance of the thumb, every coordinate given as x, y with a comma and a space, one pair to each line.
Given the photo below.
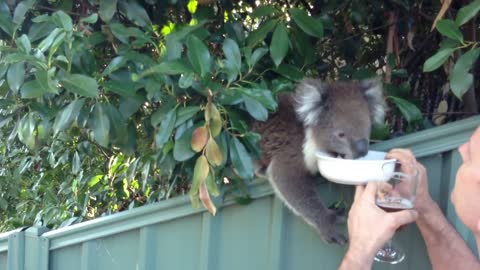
404, 217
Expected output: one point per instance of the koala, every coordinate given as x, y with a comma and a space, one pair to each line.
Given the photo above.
331, 117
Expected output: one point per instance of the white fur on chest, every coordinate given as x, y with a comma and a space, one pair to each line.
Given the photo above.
309, 149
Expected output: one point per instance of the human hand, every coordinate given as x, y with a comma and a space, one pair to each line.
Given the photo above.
423, 200
369, 227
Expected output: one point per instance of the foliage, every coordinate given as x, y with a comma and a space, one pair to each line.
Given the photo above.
108, 105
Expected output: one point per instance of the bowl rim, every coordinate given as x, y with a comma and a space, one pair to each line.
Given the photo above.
324, 156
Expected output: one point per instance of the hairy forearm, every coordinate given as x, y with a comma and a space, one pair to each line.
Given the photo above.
446, 249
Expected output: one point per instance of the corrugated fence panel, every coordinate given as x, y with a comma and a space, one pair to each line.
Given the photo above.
261, 235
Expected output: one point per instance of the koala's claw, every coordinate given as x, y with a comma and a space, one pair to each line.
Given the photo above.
336, 238
328, 231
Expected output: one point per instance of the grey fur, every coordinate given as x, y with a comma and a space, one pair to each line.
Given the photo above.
317, 117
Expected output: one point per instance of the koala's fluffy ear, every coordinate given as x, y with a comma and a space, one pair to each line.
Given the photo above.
373, 91
310, 94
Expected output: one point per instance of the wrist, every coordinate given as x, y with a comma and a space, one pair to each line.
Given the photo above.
357, 259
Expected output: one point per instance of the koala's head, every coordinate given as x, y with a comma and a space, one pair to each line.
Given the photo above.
338, 116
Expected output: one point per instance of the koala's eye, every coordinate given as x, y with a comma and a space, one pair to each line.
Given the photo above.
341, 134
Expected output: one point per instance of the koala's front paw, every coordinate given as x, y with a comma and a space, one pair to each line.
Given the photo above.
328, 231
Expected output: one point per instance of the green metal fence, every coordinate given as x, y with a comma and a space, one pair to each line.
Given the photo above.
263, 235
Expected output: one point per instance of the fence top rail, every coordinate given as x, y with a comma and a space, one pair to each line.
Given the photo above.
434, 140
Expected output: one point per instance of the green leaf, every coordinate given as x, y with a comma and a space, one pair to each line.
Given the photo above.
66, 116
186, 80
255, 109
95, 179
123, 88
23, 43
92, 18
81, 84
45, 82
263, 11
166, 128
40, 30
6, 23
182, 150
258, 35
460, 79
308, 24
47, 42
26, 131
279, 44
174, 67
116, 63
257, 55
200, 173
76, 164
101, 125
240, 159
20, 11
198, 55
107, 9
186, 113
449, 29
467, 12
232, 53
411, 112
63, 20
135, 12
32, 89
437, 59
290, 72
16, 76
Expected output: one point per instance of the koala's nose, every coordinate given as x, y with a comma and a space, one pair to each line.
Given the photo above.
361, 147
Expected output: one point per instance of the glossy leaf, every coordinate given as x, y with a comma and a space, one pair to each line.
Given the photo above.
198, 55
255, 109
23, 43
186, 113
101, 125
437, 59
411, 112
135, 12
66, 116
466, 13
257, 55
262, 11
26, 131
45, 82
279, 44
166, 128
182, 149
308, 24
232, 54
21, 10
107, 9
258, 35
81, 84
92, 18
32, 89
63, 20
116, 63
449, 29
16, 76
169, 68
240, 159
460, 78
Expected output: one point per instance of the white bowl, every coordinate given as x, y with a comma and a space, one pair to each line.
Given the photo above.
372, 167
